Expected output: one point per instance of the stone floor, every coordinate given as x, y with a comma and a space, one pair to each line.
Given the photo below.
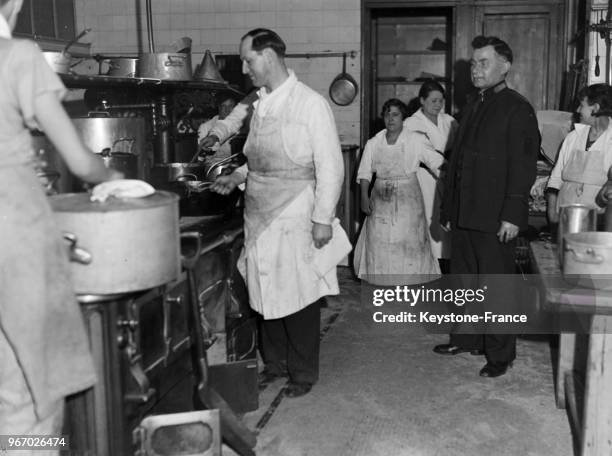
383, 392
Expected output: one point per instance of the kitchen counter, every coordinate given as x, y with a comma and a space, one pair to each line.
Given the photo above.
589, 406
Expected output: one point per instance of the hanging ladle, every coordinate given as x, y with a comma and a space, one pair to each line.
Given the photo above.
74, 40
597, 70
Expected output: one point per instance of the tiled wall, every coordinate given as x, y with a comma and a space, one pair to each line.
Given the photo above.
307, 26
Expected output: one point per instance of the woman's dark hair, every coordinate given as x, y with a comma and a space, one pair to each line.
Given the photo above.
266, 38
399, 104
600, 94
500, 46
430, 86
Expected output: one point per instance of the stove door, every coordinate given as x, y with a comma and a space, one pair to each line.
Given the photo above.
179, 434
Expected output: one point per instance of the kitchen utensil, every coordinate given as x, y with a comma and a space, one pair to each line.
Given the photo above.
182, 45
208, 70
587, 261
222, 167
165, 66
134, 243
597, 53
75, 39
343, 88
574, 218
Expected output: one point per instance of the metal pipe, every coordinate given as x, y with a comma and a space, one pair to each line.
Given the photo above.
150, 26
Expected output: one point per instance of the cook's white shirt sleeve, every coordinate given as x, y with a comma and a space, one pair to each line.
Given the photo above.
365, 170
327, 158
427, 154
228, 127
205, 128
555, 180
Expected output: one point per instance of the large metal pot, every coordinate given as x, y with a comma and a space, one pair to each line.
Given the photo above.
587, 261
101, 131
165, 66
134, 243
574, 218
122, 67
125, 162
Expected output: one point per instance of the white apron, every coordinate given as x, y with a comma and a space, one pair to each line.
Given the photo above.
279, 199
394, 246
583, 176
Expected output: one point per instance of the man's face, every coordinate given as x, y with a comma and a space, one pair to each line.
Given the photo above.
225, 108
488, 67
254, 63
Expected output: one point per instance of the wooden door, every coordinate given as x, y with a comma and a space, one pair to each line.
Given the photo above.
534, 33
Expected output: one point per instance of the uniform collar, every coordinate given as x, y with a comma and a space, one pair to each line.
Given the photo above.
487, 93
5, 29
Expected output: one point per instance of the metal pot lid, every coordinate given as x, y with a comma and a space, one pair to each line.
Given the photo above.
80, 202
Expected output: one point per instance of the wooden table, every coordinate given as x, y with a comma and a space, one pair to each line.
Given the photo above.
593, 421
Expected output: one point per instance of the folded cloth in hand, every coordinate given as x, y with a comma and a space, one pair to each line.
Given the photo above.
327, 257
121, 188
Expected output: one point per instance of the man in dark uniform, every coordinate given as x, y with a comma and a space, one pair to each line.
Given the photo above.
491, 171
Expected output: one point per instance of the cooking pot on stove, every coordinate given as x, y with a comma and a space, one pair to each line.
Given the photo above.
133, 242
587, 260
177, 171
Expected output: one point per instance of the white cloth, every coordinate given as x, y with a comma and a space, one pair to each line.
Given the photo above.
439, 136
576, 140
277, 264
121, 188
394, 247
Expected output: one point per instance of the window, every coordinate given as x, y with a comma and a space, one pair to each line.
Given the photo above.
36, 20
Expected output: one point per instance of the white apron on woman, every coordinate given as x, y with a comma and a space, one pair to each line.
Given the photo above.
394, 247
431, 187
295, 173
579, 173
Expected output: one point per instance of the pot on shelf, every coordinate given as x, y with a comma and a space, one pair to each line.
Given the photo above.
165, 66
122, 67
134, 242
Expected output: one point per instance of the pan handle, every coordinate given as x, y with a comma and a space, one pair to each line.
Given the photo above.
77, 254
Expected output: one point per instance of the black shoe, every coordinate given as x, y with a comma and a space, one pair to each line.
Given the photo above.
297, 389
494, 370
266, 377
448, 349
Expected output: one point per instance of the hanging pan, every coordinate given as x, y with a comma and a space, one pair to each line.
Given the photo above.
343, 88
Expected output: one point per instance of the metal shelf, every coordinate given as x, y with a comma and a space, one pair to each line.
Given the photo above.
76, 81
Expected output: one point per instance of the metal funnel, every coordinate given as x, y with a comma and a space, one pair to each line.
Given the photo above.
207, 70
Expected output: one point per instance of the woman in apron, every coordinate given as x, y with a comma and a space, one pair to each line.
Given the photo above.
439, 128
394, 246
586, 154
44, 350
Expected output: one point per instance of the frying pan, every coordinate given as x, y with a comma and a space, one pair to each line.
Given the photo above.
343, 88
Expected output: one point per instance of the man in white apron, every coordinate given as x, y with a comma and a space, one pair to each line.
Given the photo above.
293, 178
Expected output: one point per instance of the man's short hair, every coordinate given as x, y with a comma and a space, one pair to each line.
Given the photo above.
266, 38
500, 46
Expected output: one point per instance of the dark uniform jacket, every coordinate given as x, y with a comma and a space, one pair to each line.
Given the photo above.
493, 163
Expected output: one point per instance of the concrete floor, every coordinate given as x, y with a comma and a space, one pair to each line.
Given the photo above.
383, 392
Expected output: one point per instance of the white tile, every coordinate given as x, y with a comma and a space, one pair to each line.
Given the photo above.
157, 6
177, 21
207, 6
222, 6
222, 20
206, 20
160, 21
267, 5
193, 6
237, 21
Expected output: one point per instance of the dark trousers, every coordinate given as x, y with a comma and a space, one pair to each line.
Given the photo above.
475, 253
291, 343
